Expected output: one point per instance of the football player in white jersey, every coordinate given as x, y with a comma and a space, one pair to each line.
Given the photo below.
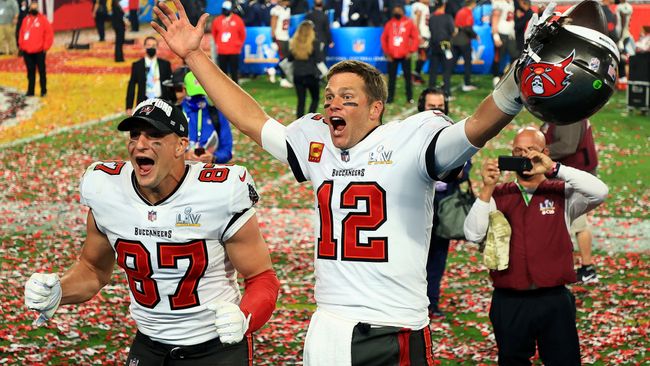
503, 35
280, 19
373, 196
181, 232
420, 14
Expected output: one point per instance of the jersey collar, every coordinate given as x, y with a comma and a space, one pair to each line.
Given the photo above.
134, 183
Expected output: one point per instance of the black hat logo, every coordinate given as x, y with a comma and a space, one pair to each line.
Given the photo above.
147, 109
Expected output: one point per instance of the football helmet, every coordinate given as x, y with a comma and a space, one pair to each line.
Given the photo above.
568, 69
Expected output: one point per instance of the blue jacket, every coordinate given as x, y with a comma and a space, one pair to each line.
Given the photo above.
196, 108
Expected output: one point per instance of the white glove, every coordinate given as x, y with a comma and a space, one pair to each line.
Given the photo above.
231, 322
274, 47
536, 21
43, 293
355, 16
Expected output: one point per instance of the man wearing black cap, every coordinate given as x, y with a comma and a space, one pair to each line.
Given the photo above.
180, 251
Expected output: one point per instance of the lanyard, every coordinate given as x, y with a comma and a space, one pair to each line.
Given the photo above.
199, 125
31, 24
527, 196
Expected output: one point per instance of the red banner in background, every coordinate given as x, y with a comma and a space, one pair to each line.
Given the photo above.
73, 14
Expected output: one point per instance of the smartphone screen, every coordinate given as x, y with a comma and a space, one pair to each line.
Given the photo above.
515, 163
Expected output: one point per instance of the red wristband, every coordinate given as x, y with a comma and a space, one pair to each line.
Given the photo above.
260, 296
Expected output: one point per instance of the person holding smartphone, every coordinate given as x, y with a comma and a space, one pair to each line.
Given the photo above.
530, 303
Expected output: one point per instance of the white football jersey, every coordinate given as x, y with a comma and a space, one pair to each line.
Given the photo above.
282, 25
423, 25
173, 252
374, 212
506, 23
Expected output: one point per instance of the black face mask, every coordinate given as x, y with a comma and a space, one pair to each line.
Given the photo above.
33, 11
225, 12
397, 16
151, 52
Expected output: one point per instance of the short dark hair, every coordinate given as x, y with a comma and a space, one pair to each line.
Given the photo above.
427, 91
375, 85
148, 38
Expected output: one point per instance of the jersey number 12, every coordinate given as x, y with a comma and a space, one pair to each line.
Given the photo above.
376, 249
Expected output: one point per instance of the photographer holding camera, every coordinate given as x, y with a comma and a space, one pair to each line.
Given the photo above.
530, 303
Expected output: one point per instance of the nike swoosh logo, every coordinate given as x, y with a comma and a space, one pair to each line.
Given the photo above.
242, 177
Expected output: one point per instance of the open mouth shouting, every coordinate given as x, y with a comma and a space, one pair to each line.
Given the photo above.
144, 165
338, 125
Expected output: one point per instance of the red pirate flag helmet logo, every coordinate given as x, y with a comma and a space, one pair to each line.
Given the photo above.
545, 79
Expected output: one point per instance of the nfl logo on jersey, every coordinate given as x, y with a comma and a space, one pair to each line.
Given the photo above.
152, 215
345, 156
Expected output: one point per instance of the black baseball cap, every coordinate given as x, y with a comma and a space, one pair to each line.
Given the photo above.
160, 114
177, 78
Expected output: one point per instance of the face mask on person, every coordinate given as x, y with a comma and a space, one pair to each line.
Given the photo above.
151, 52
33, 11
225, 12
397, 16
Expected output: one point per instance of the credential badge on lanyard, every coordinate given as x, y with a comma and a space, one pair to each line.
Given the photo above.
26, 35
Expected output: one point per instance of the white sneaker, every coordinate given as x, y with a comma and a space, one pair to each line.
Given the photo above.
468, 88
495, 81
271, 72
284, 83
622, 80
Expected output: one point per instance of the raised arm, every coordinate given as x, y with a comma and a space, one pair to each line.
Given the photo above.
460, 141
477, 220
488, 119
185, 40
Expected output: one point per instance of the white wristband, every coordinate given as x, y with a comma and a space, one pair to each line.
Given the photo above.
506, 93
274, 139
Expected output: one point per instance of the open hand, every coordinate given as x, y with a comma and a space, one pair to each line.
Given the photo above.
181, 36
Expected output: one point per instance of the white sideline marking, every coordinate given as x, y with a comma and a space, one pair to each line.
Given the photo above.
60, 130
